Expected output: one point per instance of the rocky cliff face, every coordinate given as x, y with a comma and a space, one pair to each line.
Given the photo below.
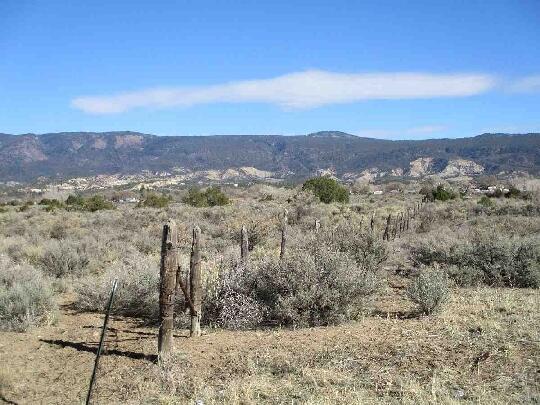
462, 167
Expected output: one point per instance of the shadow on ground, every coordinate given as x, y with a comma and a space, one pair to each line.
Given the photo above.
84, 347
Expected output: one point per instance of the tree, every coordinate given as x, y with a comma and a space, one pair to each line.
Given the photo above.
441, 194
327, 189
155, 201
209, 198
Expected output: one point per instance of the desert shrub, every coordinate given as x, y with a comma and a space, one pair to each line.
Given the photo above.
426, 218
138, 290
26, 297
214, 196
511, 261
211, 197
368, 251
258, 231
58, 231
230, 303
465, 276
63, 259
74, 200
486, 201
429, 290
155, 201
312, 288
528, 210
146, 244
327, 189
25, 206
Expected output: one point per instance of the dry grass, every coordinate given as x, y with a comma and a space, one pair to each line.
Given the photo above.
483, 348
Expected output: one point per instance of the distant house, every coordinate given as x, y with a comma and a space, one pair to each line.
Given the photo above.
378, 192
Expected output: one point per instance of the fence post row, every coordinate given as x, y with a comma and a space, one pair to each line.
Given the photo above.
171, 274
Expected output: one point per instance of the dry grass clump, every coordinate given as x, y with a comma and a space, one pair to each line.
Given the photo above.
26, 297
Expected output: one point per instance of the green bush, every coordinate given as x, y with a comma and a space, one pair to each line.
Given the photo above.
155, 201
429, 290
327, 190
26, 297
97, 203
441, 194
211, 197
92, 204
486, 201
75, 200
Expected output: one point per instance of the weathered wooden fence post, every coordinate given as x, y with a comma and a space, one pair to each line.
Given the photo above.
169, 265
284, 234
195, 282
386, 235
244, 244
372, 222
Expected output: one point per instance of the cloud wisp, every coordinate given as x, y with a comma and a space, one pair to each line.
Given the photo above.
302, 90
528, 84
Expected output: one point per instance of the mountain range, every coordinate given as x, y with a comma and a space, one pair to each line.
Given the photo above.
29, 157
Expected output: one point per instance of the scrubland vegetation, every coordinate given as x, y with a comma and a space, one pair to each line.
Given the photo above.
406, 320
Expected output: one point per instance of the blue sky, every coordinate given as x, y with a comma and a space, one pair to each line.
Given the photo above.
388, 69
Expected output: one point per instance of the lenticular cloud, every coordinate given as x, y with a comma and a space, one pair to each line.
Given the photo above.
300, 90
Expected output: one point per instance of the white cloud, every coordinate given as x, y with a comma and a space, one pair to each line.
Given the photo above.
312, 88
528, 84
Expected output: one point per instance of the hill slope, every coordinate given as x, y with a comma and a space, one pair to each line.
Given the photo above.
64, 155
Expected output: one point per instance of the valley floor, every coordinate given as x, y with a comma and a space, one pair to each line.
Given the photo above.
483, 348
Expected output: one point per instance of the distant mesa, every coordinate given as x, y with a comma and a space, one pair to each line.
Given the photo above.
68, 155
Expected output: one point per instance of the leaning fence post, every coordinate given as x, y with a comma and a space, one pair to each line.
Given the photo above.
284, 234
196, 283
244, 244
169, 265
101, 342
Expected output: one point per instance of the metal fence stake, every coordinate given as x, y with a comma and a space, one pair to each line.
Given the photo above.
101, 341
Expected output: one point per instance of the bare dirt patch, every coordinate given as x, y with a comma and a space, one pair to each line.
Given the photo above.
483, 348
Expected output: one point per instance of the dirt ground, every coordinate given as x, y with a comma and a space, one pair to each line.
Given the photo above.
484, 348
